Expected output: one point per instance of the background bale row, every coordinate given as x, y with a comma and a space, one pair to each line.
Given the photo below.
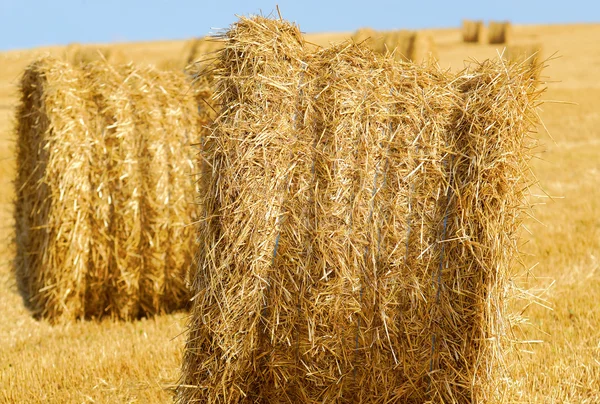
76, 54
105, 191
497, 32
405, 45
360, 220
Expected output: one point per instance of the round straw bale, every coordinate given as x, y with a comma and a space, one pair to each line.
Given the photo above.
422, 48
113, 281
410, 229
352, 141
364, 34
472, 31
70, 51
400, 44
167, 130
404, 45
499, 32
196, 49
133, 198
345, 252
490, 187
527, 54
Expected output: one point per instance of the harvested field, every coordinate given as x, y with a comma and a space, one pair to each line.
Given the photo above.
114, 361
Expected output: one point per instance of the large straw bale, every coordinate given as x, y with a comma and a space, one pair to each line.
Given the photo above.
360, 222
499, 32
415, 46
472, 31
105, 189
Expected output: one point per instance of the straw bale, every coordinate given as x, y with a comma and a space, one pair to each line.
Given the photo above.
113, 157
77, 54
199, 49
405, 45
423, 47
472, 31
360, 222
167, 128
364, 34
349, 143
106, 156
499, 32
528, 54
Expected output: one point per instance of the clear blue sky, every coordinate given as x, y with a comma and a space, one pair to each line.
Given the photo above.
30, 23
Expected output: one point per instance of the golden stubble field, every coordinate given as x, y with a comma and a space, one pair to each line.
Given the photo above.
112, 362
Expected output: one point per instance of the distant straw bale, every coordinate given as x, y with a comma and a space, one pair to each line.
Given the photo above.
405, 45
499, 32
359, 225
77, 54
472, 31
105, 190
196, 49
423, 47
364, 34
528, 54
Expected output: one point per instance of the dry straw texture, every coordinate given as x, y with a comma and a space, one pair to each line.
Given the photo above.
499, 32
472, 31
104, 190
360, 220
413, 46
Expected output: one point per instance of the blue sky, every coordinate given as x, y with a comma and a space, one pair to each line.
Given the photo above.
30, 23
